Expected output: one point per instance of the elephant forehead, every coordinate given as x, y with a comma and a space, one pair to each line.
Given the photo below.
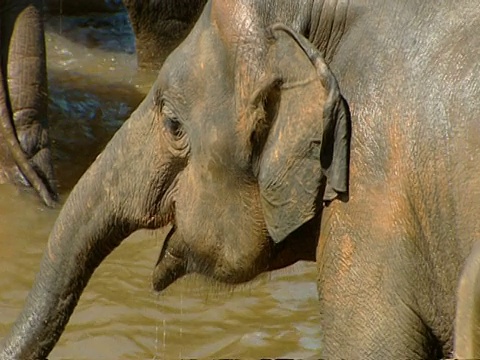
231, 18
203, 72
185, 64
215, 142
240, 31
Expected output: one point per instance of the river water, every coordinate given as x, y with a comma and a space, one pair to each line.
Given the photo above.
94, 85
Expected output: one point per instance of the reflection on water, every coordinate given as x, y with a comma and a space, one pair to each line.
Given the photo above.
94, 85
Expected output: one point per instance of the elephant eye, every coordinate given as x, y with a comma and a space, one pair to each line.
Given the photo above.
174, 127
172, 124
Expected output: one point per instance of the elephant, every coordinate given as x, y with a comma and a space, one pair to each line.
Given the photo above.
341, 132
25, 155
160, 26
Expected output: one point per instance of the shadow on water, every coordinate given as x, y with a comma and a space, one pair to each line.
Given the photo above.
76, 7
108, 32
85, 113
94, 85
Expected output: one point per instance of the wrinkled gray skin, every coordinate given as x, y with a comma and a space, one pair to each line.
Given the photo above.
242, 137
467, 322
159, 26
24, 146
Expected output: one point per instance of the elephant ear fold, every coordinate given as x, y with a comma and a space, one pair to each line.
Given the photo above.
305, 157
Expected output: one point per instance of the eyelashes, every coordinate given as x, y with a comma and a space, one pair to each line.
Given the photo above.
174, 127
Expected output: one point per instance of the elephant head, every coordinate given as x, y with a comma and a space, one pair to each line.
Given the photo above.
240, 140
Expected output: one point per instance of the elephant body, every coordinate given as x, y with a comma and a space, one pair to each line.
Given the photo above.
395, 251
243, 146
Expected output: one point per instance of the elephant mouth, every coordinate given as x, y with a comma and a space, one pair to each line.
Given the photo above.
169, 267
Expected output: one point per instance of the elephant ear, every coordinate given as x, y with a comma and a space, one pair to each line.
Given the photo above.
307, 146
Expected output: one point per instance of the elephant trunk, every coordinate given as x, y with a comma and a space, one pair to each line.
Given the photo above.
101, 211
23, 99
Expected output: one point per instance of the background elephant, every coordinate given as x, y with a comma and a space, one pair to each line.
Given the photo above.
25, 155
161, 25
24, 146
223, 150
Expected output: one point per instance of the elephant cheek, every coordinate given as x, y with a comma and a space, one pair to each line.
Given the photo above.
224, 234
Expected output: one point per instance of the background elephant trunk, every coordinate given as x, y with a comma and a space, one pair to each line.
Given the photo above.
25, 150
101, 211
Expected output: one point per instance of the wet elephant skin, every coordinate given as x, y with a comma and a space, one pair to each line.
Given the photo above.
243, 146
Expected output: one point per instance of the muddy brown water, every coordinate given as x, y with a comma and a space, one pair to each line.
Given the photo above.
94, 85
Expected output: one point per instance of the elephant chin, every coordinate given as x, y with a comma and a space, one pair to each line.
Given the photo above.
169, 267
177, 257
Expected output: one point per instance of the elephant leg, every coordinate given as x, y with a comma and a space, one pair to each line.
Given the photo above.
467, 322
357, 324
25, 154
160, 26
361, 327
369, 307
